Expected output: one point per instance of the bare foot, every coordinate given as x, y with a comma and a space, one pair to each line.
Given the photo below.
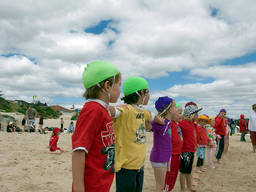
192, 190
218, 161
203, 169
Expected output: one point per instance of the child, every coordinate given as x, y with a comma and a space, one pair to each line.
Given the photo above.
212, 143
23, 123
220, 127
162, 146
130, 132
71, 127
93, 139
61, 124
177, 142
202, 141
189, 133
54, 140
41, 122
243, 128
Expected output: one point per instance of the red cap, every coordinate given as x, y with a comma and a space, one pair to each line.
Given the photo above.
190, 103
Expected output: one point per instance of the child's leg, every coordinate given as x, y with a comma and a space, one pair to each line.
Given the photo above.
139, 180
182, 181
242, 136
172, 172
160, 173
199, 165
210, 157
220, 148
189, 182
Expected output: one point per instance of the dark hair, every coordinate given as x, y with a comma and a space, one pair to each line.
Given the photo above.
132, 98
254, 106
93, 92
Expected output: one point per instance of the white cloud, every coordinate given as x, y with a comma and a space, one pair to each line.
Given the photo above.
233, 89
153, 38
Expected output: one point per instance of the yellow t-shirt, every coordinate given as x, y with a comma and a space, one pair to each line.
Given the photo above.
130, 136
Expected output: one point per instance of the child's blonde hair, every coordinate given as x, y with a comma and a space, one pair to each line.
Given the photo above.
165, 112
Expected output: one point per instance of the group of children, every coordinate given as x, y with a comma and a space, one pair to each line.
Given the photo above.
111, 140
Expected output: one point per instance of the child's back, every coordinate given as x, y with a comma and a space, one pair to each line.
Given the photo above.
130, 136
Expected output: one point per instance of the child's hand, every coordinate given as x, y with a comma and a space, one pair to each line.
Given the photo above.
159, 120
123, 106
112, 111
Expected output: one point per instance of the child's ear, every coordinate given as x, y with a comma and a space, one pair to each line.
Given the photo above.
107, 85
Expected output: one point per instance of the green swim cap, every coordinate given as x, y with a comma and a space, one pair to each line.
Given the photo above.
97, 71
133, 84
177, 105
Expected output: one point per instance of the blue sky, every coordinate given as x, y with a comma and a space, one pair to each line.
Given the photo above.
204, 51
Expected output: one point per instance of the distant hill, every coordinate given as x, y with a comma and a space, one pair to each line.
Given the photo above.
22, 106
61, 109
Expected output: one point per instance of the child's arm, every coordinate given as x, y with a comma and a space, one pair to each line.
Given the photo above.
158, 120
78, 162
148, 126
115, 112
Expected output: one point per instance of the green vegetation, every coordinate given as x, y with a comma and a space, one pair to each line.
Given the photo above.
22, 106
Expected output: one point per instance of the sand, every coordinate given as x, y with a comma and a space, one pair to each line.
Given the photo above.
26, 166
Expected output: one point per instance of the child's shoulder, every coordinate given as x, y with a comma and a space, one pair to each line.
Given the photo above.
93, 106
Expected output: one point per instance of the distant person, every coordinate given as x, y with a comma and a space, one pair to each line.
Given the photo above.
41, 122
10, 127
31, 114
220, 127
232, 127
54, 141
202, 142
71, 128
212, 143
23, 123
243, 128
61, 124
252, 127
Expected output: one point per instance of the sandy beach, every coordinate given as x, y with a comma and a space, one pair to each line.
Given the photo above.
26, 165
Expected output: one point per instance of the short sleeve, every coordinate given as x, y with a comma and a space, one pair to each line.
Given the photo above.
123, 111
87, 127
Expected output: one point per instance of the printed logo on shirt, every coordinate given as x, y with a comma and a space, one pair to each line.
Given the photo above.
140, 116
109, 163
141, 134
107, 136
108, 140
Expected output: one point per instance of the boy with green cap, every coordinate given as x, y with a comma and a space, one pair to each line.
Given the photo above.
93, 139
130, 133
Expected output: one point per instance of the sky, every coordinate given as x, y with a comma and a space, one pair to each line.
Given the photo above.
191, 50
